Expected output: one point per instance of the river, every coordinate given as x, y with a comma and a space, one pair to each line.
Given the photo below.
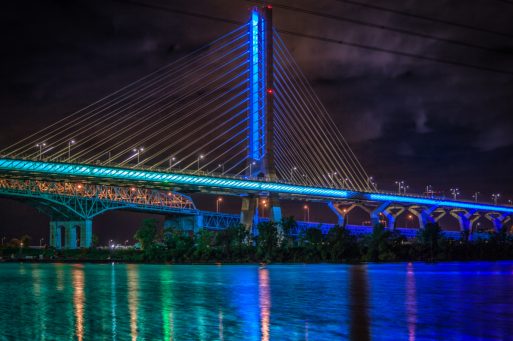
401, 301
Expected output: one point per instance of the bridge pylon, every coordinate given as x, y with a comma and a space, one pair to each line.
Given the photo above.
260, 112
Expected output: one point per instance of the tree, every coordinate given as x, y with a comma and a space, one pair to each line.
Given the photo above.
313, 242
25, 240
289, 225
147, 233
381, 244
429, 239
233, 242
204, 242
267, 241
341, 244
95, 241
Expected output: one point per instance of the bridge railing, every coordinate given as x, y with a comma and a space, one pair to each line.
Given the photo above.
173, 170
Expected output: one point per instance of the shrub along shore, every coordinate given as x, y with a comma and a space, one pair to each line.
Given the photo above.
236, 245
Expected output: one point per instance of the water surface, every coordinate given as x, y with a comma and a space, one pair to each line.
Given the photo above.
449, 301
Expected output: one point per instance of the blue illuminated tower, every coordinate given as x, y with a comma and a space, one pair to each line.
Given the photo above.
261, 125
261, 94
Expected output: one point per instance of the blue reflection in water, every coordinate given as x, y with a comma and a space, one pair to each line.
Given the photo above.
450, 301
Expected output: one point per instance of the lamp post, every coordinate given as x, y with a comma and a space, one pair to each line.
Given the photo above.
69, 149
372, 183
251, 164
264, 206
495, 198
172, 160
292, 171
221, 165
41, 242
200, 157
475, 196
138, 152
41, 146
410, 217
400, 185
455, 192
346, 216
306, 216
332, 177
218, 203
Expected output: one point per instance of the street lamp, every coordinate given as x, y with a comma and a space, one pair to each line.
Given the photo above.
41, 146
332, 177
251, 164
200, 157
495, 198
221, 165
292, 171
372, 183
510, 202
218, 203
429, 191
306, 217
346, 215
41, 242
69, 149
172, 160
264, 206
410, 217
138, 152
455, 192
400, 185
475, 196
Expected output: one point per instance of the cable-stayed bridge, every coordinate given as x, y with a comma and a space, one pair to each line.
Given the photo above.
235, 117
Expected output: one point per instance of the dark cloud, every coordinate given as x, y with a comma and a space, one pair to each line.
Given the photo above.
406, 119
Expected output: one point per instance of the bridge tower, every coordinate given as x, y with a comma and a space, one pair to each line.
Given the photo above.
260, 112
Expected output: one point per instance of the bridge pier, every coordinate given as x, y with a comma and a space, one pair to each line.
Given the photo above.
498, 219
425, 215
249, 212
186, 223
385, 209
466, 219
72, 239
341, 215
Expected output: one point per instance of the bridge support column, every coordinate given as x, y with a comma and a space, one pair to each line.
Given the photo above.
498, 219
465, 218
186, 223
341, 215
71, 235
249, 212
275, 211
55, 235
375, 215
425, 215
71, 227
342, 212
86, 233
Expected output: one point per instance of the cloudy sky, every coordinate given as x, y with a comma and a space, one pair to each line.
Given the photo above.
406, 118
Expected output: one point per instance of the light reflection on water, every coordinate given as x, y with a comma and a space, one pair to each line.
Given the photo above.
278, 302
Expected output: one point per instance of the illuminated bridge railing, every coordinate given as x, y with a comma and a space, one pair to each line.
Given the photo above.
64, 171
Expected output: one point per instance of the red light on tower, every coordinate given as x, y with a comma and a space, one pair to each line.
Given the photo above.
270, 91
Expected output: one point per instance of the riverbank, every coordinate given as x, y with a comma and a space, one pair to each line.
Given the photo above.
236, 246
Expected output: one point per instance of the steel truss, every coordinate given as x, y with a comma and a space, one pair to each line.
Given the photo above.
85, 201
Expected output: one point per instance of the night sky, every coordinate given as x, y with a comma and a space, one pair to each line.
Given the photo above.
406, 119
